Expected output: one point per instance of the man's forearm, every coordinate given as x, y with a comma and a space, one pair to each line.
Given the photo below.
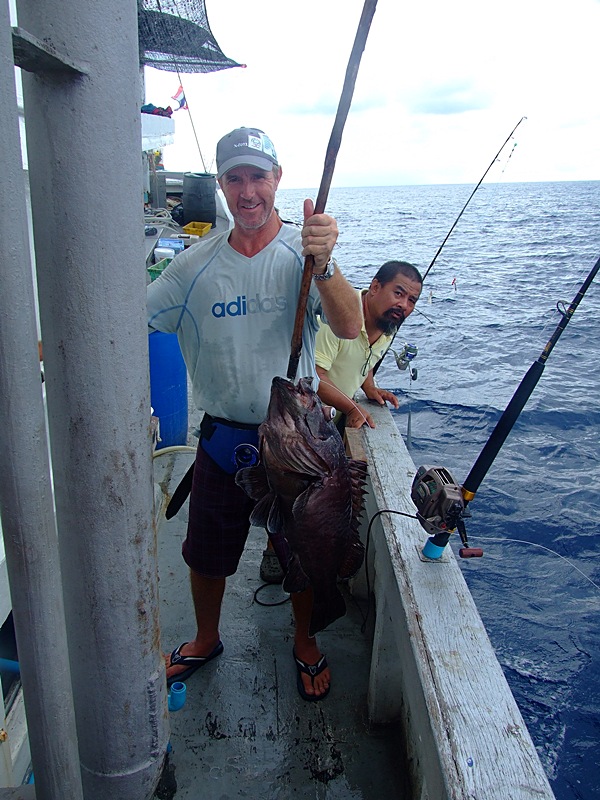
331, 395
341, 306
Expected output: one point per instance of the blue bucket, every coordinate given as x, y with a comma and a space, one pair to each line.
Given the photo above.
168, 388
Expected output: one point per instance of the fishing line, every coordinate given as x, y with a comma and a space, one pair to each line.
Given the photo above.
367, 578
365, 616
509, 158
440, 248
357, 407
423, 315
261, 603
543, 547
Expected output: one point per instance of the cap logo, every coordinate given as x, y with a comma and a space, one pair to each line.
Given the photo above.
262, 143
255, 142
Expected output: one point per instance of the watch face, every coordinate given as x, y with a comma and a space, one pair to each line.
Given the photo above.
329, 270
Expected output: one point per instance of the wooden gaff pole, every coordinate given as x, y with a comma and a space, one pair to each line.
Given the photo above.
330, 158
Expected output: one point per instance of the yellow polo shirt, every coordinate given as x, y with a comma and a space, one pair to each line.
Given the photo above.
348, 361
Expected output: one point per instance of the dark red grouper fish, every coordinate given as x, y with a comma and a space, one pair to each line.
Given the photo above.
307, 487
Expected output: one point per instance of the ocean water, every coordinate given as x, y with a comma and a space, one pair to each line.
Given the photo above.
488, 308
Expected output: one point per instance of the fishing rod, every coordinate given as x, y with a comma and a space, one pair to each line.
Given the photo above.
330, 159
492, 162
183, 489
441, 503
455, 223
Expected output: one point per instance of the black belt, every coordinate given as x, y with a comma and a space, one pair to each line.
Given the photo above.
206, 426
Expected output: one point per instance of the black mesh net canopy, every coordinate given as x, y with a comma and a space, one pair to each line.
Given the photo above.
175, 36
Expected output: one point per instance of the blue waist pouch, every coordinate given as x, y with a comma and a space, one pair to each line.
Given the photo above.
231, 445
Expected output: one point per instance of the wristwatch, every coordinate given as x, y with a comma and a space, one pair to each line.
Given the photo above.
329, 270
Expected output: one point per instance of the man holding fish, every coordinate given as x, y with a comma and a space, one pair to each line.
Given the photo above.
232, 299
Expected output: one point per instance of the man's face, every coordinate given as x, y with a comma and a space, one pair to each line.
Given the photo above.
392, 302
250, 195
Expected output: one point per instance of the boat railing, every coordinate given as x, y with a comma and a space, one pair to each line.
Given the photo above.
433, 666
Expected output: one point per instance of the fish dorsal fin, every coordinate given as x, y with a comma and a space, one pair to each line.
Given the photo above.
358, 476
353, 557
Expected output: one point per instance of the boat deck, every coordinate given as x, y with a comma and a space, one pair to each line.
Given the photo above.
244, 731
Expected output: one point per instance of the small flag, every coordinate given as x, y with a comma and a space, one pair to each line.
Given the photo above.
179, 97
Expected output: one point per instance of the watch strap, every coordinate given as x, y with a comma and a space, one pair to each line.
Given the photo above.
329, 270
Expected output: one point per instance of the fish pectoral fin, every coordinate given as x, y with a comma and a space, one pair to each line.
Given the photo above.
324, 500
306, 463
275, 520
253, 480
260, 513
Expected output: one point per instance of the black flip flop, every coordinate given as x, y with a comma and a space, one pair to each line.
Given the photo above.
312, 670
193, 662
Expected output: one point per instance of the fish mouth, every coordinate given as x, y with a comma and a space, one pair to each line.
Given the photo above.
292, 401
293, 397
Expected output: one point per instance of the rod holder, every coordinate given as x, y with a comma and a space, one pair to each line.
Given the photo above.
435, 546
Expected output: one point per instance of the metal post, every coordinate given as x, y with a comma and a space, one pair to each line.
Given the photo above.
26, 504
84, 149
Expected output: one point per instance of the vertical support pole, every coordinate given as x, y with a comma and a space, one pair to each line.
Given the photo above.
26, 504
84, 150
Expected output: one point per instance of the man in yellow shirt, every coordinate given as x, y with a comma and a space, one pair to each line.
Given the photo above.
345, 365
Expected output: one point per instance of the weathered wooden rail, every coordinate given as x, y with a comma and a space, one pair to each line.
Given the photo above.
433, 666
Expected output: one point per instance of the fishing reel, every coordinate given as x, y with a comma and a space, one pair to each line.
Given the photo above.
441, 509
404, 358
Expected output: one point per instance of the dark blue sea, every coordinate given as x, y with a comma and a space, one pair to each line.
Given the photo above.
488, 308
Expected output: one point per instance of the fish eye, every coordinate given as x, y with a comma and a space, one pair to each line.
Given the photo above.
329, 412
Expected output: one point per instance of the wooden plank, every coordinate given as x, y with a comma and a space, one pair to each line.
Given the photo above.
353, 441
433, 664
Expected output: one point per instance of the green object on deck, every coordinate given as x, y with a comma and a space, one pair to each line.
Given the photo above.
156, 269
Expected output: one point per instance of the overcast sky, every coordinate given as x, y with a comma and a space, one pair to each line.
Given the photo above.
440, 87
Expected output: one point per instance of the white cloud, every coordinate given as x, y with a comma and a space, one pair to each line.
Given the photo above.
439, 88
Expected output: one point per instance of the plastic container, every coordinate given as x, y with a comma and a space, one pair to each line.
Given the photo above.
163, 252
197, 228
168, 388
172, 243
198, 197
154, 270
